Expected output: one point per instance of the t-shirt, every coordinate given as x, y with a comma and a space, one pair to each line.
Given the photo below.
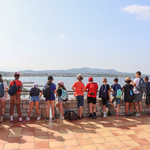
5, 87
127, 87
18, 84
79, 87
136, 81
88, 87
108, 87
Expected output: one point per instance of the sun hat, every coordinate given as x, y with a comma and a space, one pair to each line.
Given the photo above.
90, 79
127, 79
17, 73
60, 82
35, 85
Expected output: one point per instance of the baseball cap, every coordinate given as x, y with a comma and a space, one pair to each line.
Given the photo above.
107, 103
90, 79
35, 85
16, 73
60, 82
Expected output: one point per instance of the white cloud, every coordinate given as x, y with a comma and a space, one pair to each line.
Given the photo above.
142, 12
62, 36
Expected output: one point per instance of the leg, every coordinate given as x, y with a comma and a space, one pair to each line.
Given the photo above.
127, 107
81, 110
47, 108
140, 104
136, 107
30, 109
53, 108
18, 110
118, 108
0, 108
58, 106
131, 107
61, 109
37, 108
90, 108
112, 101
94, 108
11, 109
3, 107
104, 108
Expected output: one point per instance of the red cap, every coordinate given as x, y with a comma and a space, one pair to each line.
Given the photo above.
90, 79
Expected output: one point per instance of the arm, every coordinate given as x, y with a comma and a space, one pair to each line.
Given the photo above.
109, 94
73, 88
54, 91
41, 94
6, 93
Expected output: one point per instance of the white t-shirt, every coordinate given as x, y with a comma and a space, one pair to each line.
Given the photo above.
5, 87
136, 81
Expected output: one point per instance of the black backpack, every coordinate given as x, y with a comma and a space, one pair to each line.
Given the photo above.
148, 89
1, 89
34, 92
130, 96
13, 89
47, 91
71, 115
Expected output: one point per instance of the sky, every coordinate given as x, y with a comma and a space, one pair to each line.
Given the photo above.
64, 34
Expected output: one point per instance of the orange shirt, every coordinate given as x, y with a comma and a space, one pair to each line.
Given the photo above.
18, 83
79, 87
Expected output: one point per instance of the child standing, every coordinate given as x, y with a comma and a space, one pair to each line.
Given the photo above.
105, 95
79, 89
35, 94
59, 105
117, 92
146, 79
128, 96
3, 97
16, 99
92, 89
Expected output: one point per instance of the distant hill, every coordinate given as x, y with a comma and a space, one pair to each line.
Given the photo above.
80, 70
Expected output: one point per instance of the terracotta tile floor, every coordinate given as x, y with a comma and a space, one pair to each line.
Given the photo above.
120, 133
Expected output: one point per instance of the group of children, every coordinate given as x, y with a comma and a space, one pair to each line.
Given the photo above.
133, 92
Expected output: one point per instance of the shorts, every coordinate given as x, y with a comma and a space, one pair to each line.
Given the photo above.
127, 101
15, 99
2, 99
51, 98
92, 100
80, 100
138, 97
59, 99
117, 100
105, 100
34, 99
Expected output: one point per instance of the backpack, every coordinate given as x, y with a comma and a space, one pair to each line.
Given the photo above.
142, 86
92, 89
129, 94
47, 91
148, 89
71, 115
13, 89
118, 91
1, 89
34, 92
64, 95
103, 93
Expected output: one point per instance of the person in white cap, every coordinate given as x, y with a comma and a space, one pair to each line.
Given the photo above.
35, 94
15, 99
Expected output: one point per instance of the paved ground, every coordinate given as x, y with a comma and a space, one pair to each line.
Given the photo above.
112, 133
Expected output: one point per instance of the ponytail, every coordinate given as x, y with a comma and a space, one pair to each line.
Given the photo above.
49, 82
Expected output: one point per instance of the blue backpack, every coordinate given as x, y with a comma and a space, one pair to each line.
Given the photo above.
1, 89
103, 93
118, 91
64, 95
13, 89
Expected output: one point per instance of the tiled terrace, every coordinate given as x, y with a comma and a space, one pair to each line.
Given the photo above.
112, 133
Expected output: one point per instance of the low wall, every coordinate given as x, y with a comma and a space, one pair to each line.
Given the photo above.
71, 104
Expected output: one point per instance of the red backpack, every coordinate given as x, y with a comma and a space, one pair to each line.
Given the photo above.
92, 89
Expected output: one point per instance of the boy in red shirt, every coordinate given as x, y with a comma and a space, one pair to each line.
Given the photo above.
79, 89
92, 89
15, 99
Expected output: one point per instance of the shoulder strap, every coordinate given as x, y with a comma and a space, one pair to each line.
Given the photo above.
14, 82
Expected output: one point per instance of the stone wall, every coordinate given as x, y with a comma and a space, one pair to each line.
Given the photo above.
71, 104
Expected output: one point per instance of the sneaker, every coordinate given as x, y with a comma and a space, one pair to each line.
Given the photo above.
117, 115
22, 121
90, 116
81, 117
115, 109
127, 115
104, 116
28, 118
130, 114
94, 116
78, 117
11, 121
53, 119
137, 115
2, 118
61, 117
39, 118
47, 119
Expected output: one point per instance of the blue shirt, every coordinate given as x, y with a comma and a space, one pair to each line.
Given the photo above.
52, 96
